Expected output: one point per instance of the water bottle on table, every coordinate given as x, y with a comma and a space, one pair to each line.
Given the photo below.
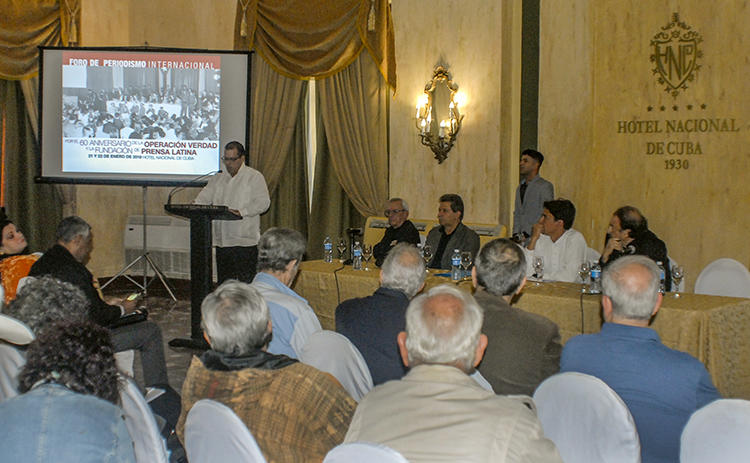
456, 265
328, 250
596, 279
357, 256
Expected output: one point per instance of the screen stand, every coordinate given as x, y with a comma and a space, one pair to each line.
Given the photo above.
146, 261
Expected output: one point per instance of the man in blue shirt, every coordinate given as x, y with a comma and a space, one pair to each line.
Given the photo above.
280, 251
662, 387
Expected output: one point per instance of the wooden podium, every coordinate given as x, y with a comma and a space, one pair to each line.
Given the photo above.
201, 262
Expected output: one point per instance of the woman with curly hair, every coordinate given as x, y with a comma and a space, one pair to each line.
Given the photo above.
68, 412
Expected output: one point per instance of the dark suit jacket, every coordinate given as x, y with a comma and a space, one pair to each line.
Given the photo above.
523, 350
372, 323
463, 238
61, 264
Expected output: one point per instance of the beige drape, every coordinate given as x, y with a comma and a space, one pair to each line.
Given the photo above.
353, 105
275, 105
304, 38
25, 25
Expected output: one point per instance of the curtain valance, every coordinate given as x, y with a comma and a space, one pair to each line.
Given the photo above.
303, 38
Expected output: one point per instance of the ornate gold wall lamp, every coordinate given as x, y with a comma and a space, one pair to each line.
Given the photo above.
438, 115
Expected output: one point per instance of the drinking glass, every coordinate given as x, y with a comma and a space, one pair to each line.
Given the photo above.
367, 255
538, 264
341, 247
466, 260
583, 273
678, 273
426, 256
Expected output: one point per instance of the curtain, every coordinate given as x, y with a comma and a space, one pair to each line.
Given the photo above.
332, 212
276, 105
353, 105
35, 208
303, 39
25, 25
289, 198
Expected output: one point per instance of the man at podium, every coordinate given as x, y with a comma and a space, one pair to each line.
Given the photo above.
243, 190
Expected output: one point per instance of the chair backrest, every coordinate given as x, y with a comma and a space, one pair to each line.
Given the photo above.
15, 331
363, 452
477, 376
586, 419
724, 277
147, 441
717, 432
214, 433
11, 362
333, 353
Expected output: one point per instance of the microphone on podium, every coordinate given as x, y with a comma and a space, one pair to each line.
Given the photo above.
182, 186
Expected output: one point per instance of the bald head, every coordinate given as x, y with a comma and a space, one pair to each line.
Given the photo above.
443, 326
632, 285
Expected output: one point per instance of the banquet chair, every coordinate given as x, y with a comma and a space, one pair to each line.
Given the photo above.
213, 432
724, 277
148, 444
586, 419
333, 353
717, 432
363, 452
13, 333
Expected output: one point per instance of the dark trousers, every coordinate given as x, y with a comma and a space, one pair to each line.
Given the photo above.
144, 337
236, 262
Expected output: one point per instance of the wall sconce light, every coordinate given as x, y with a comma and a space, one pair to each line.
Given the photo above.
438, 116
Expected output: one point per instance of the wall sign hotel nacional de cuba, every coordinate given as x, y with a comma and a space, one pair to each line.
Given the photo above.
675, 133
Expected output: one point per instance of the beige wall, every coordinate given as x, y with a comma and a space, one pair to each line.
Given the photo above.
467, 37
595, 71
162, 23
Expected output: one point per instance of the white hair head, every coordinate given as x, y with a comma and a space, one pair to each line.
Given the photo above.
403, 269
443, 326
235, 318
632, 284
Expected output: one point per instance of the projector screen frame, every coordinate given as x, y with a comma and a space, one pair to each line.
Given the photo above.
183, 180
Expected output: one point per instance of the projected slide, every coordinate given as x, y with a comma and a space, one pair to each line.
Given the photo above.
123, 112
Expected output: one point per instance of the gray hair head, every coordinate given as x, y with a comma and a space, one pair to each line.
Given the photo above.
632, 284
45, 300
70, 227
404, 205
403, 269
279, 246
235, 318
443, 327
501, 266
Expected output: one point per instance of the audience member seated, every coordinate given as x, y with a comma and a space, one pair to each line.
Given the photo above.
15, 260
68, 412
295, 412
628, 234
437, 412
372, 323
66, 261
280, 251
451, 234
562, 248
400, 230
662, 387
523, 348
